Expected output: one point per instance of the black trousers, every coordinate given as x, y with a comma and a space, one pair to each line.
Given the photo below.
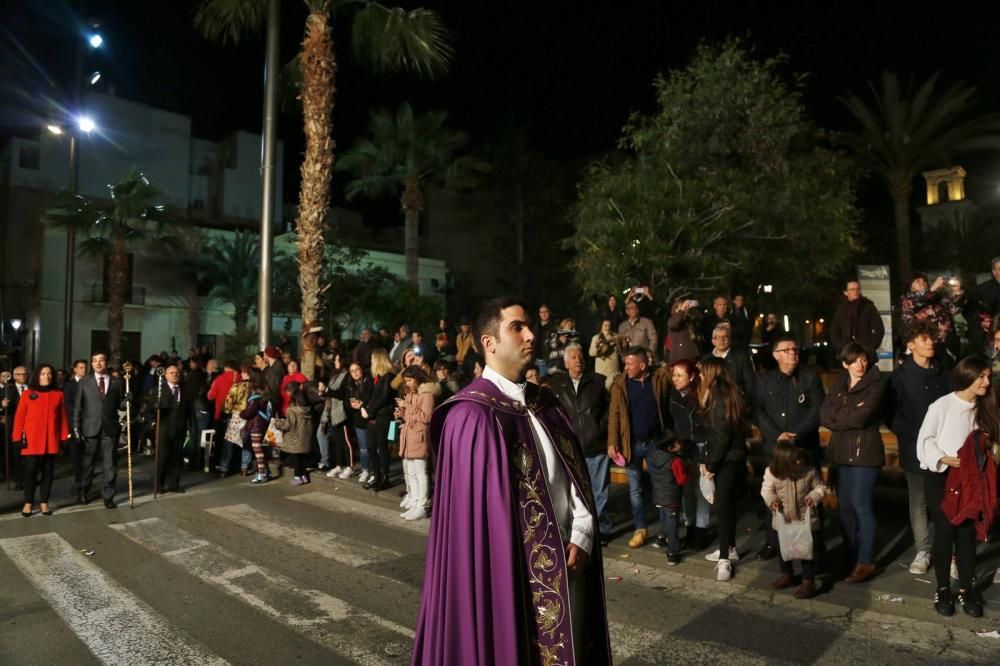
948, 538
30, 467
378, 446
728, 483
298, 463
13, 451
77, 449
340, 453
170, 463
106, 447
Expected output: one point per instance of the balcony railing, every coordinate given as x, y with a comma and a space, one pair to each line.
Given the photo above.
134, 294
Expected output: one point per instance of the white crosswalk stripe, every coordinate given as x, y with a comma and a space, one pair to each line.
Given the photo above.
320, 617
379, 514
116, 626
330, 545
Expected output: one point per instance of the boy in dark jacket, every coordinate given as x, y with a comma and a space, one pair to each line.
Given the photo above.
669, 473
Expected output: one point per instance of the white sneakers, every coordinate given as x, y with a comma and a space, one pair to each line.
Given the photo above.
416, 512
364, 476
346, 473
723, 570
714, 556
921, 563
333, 473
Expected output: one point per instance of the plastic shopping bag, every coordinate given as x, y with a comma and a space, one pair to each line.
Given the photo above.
707, 487
795, 537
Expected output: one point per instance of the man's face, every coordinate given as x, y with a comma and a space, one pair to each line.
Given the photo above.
996, 271
172, 374
544, 314
612, 302
212, 366
635, 366
20, 375
511, 350
98, 362
366, 335
738, 302
720, 305
786, 353
465, 329
853, 291
720, 340
259, 361
417, 339
574, 362
923, 346
80, 369
632, 310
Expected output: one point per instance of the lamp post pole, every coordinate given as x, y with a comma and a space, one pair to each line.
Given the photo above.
267, 172
70, 259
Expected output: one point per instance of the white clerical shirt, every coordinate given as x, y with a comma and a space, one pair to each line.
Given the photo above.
571, 511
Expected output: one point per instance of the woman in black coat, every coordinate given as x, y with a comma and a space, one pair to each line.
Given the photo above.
378, 412
689, 426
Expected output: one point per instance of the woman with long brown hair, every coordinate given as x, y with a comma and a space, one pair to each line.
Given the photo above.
947, 427
40, 423
725, 453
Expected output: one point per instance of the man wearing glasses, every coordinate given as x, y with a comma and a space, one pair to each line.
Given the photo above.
786, 409
8, 408
738, 360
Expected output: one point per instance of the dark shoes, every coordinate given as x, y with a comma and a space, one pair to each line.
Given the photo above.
862, 573
605, 540
673, 559
659, 541
806, 590
110, 504
943, 603
767, 552
970, 602
782, 582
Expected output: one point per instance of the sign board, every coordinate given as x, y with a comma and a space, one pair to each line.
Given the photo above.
874, 281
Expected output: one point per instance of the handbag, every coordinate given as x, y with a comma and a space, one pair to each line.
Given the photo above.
273, 436
394, 428
707, 487
234, 431
795, 538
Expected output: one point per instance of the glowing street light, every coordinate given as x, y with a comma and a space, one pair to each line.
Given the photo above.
55, 129
16, 324
94, 78
95, 40
86, 124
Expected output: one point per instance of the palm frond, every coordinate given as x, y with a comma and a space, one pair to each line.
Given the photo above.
231, 20
391, 39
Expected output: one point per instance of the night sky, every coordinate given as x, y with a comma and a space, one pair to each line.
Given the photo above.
572, 72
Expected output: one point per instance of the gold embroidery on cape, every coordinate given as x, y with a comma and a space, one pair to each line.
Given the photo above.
508, 404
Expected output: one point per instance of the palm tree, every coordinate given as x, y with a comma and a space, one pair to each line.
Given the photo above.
109, 229
405, 154
225, 269
908, 131
389, 39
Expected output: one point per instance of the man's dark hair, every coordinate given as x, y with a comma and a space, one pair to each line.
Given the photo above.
852, 351
417, 331
783, 337
636, 351
665, 440
78, 362
491, 314
848, 283
919, 328
99, 352
231, 363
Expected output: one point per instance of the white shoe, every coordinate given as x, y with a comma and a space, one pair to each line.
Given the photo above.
921, 563
335, 472
363, 476
405, 503
723, 570
996, 577
415, 513
714, 555
347, 473
954, 569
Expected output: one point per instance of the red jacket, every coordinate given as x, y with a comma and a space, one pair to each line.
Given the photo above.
41, 417
286, 399
970, 491
220, 389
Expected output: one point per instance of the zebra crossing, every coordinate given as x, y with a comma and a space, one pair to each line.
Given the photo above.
357, 606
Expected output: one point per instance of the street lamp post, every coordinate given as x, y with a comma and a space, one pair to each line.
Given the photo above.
267, 171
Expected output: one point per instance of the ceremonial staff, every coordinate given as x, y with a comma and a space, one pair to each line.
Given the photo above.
6, 445
127, 369
156, 452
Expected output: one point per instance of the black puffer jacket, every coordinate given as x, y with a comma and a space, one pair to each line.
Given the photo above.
587, 409
725, 441
853, 416
912, 390
666, 490
685, 412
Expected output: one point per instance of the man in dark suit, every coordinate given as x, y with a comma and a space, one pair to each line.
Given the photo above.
95, 422
76, 451
8, 408
175, 405
738, 360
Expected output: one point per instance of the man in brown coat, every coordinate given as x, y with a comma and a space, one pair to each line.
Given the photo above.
638, 413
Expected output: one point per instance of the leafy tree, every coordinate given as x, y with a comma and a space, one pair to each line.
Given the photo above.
389, 39
109, 229
226, 269
728, 182
407, 153
905, 131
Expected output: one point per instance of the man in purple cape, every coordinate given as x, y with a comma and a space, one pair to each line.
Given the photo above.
512, 574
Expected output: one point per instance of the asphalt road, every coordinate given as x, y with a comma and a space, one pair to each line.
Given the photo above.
328, 573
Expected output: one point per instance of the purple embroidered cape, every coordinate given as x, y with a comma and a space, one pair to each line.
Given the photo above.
496, 587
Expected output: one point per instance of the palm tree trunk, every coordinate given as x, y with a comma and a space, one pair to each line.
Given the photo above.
318, 73
240, 315
901, 208
117, 275
413, 204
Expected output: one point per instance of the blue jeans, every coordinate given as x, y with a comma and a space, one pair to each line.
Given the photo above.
246, 458
598, 467
669, 521
362, 434
323, 438
856, 491
697, 510
634, 471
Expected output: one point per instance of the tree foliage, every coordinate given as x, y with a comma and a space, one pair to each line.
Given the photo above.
727, 183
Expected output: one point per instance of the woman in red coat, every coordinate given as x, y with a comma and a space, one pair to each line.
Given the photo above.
40, 423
